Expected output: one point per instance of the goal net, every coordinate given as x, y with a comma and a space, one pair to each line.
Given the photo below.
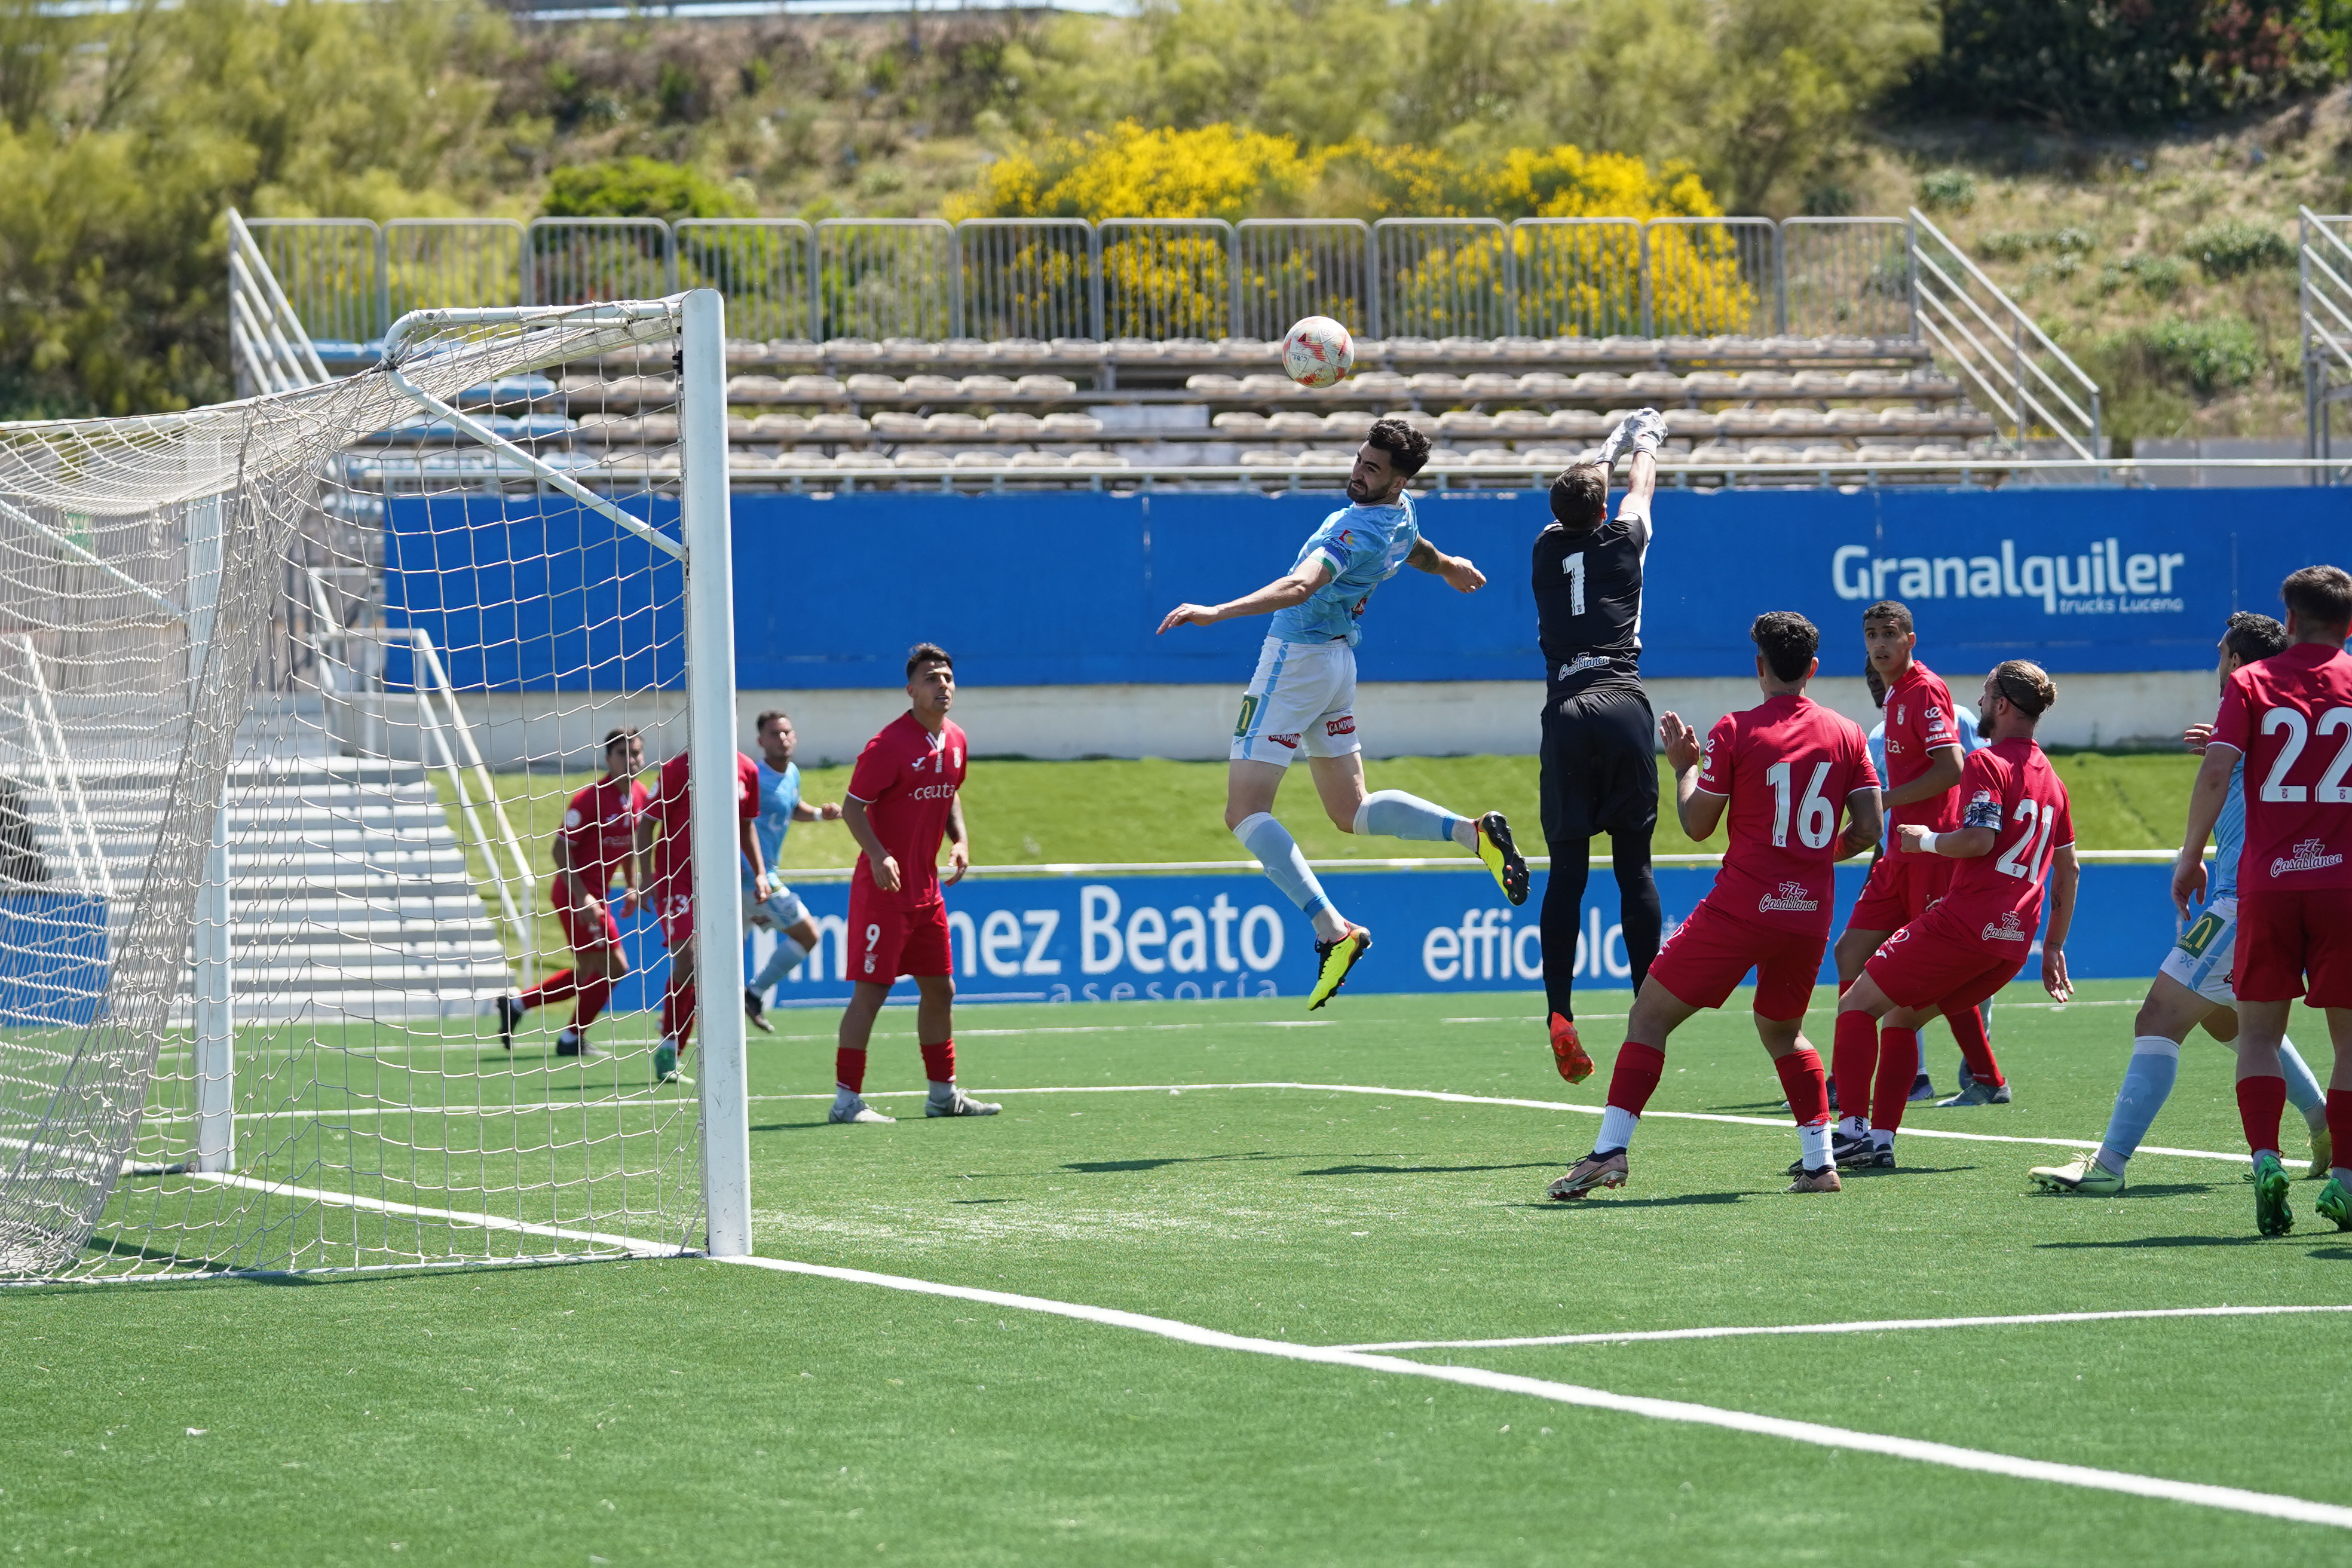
293, 693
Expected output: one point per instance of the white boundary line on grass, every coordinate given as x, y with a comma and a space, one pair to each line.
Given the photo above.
1443, 1095
1885, 1325
2267, 1504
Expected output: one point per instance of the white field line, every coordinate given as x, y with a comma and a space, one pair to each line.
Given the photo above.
2267, 1504
634, 1246
1443, 1095
1889, 1325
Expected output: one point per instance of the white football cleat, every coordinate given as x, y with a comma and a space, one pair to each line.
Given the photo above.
854, 1109
959, 1104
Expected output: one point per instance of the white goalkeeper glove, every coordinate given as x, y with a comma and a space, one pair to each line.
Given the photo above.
1643, 431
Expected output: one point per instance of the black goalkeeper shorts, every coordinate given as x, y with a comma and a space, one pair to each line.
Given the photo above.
1600, 765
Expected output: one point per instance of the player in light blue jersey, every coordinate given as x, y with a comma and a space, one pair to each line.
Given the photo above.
2193, 986
780, 806
1303, 697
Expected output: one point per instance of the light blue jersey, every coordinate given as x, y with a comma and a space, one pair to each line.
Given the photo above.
780, 795
1964, 723
1364, 545
2229, 839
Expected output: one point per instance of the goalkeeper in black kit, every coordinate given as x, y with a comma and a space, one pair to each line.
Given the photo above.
1600, 739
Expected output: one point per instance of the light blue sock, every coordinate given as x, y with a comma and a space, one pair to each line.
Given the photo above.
787, 957
1286, 868
1392, 813
2303, 1090
2147, 1083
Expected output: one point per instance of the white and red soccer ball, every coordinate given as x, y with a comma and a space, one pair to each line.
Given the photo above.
1318, 351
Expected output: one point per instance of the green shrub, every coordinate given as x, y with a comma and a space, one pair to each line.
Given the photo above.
638, 188
2232, 246
2159, 276
2212, 354
1947, 190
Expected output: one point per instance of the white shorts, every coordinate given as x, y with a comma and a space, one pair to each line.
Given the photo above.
2200, 960
782, 910
1302, 698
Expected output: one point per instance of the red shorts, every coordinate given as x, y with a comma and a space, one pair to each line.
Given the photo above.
887, 940
582, 930
1711, 952
2284, 935
1936, 961
1900, 890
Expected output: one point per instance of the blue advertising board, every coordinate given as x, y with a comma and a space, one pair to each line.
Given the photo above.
1204, 937
53, 958
1067, 588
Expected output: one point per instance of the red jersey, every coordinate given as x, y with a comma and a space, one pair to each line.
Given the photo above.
1919, 722
672, 807
2009, 787
600, 829
1788, 765
906, 778
2290, 715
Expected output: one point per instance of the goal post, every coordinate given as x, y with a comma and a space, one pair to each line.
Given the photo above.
294, 695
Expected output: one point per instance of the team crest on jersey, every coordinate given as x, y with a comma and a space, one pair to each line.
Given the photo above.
1898, 717
2311, 855
2007, 930
1792, 899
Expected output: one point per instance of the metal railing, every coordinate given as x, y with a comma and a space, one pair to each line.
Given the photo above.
269, 344
43, 737
2325, 287
2009, 366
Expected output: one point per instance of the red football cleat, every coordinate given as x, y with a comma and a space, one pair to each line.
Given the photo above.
1568, 1052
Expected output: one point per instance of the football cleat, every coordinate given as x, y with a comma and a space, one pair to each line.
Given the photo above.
1333, 961
1923, 1088
1976, 1092
1824, 1180
1568, 1052
1595, 1169
665, 1065
959, 1104
2334, 1204
2272, 1216
854, 1109
570, 1044
757, 1012
2085, 1175
2323, 1151
1849, 1151
510, 1011
1503, 857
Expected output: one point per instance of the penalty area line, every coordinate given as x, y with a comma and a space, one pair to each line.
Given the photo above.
1885, 1325
2237, 1500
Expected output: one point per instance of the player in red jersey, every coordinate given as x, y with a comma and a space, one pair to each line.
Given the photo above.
1924, 757
2016, 836
672, 811
597, 842
902, 798
1785, 769
2290, 716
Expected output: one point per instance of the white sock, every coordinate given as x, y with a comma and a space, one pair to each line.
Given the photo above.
942, 1092
1813, 1146
1392, 813
1617, 1126
1852, 1127
845, 1095
567, 1035
789, 955
1882, 1138
2343, 1174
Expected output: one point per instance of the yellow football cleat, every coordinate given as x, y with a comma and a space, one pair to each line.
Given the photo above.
1503, 857
1335, 958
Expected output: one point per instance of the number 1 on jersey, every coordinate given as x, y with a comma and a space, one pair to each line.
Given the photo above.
1574, 566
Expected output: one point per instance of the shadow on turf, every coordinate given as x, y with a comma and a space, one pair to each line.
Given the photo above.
1564, 1205
1427, 1170
1118, 1167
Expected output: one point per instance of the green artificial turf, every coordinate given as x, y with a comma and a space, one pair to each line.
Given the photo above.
667, 1411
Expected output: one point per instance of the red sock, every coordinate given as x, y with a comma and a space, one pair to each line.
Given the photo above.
2339, 1125
595, 996
2262, 1101
1802, 1081
555, 988
939, 1062
849, 1068
685, 1015
1853, 1057
670, 1012
1976, 1044
1899, 1064
1635, 1077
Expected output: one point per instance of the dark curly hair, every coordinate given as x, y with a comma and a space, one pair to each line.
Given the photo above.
1787, 642
1407, 448
2254, 637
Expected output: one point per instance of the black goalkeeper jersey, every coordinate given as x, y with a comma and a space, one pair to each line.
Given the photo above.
1588, 591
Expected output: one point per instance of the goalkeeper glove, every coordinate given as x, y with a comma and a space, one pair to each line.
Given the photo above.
1643, 431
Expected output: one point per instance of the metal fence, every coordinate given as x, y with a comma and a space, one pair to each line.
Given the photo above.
2325, 287
2007, 364
1141, 278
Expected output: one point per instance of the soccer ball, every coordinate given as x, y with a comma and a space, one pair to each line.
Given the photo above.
1318, 351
